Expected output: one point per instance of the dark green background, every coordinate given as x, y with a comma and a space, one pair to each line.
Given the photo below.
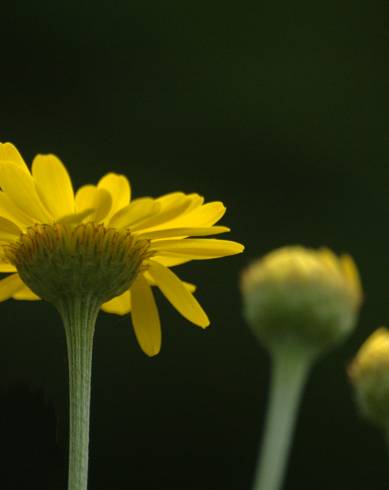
279, 109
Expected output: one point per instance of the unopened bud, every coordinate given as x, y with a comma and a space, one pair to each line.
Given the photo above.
304, 296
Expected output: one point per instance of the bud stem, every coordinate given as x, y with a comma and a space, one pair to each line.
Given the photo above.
79, 317
290, 367
386, 436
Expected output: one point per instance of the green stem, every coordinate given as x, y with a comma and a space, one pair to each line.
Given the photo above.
289, 371
79, 318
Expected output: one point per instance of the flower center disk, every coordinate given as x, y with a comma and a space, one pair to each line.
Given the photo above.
62, 261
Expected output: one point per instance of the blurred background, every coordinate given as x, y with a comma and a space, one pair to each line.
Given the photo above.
278, 109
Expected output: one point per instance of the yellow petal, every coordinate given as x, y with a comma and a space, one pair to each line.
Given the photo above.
26, 294
182, 232
9, 153
171, 206
193, 200
196, 201
200, 248
53, 185
76, 218
171, 260
351, 274
178, 295
7, 267
189, 286
9, 286
145, 317
137, 211
199, 216
119, 189
171, 199
121, 305
90, 197
8, 230
328, 257
206, 215
20, 188
10, 211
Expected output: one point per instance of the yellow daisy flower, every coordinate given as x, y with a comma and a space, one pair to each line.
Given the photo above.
171, 227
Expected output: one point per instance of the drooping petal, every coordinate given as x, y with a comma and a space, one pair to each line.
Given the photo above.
90, 197
8, 230
9, 286
25, 294
20, 188
53, 184
121, 305
197, 248
178, 295
9, 153
145, 317
189, 286
119, 189
182, 232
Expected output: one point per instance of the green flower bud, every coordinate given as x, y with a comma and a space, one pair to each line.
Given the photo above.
369, 374
301, 296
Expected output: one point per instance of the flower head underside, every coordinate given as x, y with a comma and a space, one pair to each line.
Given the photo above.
39, 209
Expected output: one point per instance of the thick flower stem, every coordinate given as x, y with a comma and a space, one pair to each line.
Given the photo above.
289, 371
79, 318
